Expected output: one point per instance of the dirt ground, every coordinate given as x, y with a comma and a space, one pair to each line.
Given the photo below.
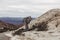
3, 37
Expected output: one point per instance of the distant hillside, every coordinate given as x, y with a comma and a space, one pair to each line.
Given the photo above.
12, 20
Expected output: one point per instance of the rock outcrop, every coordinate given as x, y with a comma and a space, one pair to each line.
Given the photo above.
42, 22
7, 27
26, 21
48, 25
45, 21
45, 18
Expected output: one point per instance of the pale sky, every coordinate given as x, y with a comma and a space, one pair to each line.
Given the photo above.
23, 8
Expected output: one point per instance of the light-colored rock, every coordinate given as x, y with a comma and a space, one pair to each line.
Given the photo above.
48, 16
53, 24
45, 17
52, 20
35, 35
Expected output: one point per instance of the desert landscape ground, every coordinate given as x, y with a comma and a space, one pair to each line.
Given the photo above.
45, 27
3, 37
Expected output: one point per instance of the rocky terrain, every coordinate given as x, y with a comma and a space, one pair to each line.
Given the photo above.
7, 27
45, 27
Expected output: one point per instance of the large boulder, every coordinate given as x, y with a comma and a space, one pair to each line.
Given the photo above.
26, 21
45, 18
53, 23
47, 21
42, 21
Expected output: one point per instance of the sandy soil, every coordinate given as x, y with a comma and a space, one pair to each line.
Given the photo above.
3, 37
35, 35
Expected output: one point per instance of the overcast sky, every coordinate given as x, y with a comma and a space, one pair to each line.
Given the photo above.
23, 8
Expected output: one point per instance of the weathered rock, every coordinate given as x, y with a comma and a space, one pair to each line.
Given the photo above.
7, 27
42, 21
53, 24
45, 17
35, 35
26, 21
50, 20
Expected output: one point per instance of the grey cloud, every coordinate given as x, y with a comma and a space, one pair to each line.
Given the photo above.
27, 2
26, 7
15, 2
